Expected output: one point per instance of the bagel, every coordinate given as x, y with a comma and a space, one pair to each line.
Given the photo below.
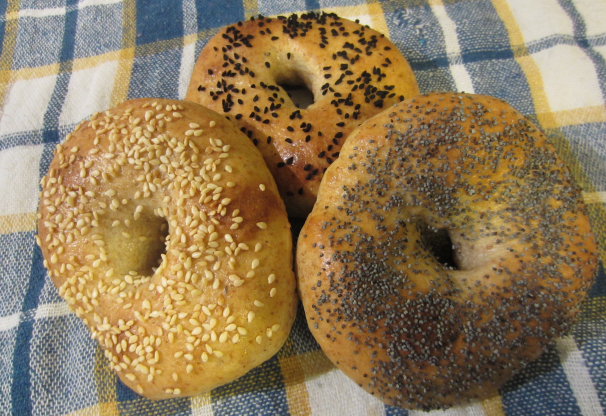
165, 233
352, 71
448, 247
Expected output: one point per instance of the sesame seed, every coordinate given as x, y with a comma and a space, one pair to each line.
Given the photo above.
179, 173
142, 369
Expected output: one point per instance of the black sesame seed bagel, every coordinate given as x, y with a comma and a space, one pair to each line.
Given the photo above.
165, 232
353, 72
448, 247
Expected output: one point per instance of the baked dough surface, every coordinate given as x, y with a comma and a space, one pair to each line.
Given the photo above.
449, 247
165, 233
352, 71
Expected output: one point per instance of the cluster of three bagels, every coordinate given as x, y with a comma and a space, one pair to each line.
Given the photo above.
447, 248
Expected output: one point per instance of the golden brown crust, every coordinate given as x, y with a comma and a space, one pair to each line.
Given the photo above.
353, 72
448, 247
167, 180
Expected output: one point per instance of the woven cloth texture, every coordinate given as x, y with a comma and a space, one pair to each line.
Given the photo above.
63, 60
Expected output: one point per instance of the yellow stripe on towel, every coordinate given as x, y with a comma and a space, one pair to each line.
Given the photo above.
493, 406
296, 370
594, 197
15, 223
127, 54
8, 46
251, 8
527, 63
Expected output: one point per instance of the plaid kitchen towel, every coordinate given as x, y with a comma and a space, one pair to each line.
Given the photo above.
63, 60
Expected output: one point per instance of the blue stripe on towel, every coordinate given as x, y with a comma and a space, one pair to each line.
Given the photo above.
580, 37
260, 392
541, 389
66, 56
157, 21
214, 14
21, 386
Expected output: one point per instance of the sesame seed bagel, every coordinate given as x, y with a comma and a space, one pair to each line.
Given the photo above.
165, 233
353, 72
448, 248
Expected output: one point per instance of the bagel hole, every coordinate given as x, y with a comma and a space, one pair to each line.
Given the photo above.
137, 246
155, 247
301, 96
439, 244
